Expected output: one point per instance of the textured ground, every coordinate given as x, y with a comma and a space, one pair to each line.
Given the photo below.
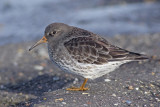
30, 79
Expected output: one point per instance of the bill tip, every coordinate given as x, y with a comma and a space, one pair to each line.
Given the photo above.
29, 49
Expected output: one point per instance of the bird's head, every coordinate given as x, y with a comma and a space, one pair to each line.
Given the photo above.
53, 32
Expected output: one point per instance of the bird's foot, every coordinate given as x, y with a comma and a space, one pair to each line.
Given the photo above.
77, 89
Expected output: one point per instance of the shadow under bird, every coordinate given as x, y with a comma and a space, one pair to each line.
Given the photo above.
84, 53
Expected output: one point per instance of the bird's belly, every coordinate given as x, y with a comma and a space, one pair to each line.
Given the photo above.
91, 71
61, 58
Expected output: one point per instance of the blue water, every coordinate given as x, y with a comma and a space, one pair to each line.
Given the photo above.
25, 20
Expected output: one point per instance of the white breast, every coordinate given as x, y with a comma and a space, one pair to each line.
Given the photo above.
91, 71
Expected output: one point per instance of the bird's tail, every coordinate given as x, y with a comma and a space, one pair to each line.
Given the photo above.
137, 56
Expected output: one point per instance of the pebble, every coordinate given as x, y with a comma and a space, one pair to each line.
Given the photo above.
85, 93
128, 102
145, 92
114, 95
130, 87
151, 85
116, 104
20, 74
27, 97
55, 78
85, 104
137, 88
59, 99
64, 103
157, 99
75, 81
107, 80
144, 105
153, 73
38, 67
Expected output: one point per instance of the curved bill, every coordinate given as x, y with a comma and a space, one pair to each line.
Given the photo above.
43, 40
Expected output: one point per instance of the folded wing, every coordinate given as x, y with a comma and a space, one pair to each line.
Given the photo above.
96, 50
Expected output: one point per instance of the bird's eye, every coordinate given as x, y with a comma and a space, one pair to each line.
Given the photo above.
54, 32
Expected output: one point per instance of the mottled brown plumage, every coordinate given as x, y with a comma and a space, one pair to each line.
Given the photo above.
84, 53
92, 49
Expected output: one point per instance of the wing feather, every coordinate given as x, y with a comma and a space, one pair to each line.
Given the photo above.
96, 50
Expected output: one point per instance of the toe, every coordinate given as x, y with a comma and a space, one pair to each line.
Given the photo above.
77, 89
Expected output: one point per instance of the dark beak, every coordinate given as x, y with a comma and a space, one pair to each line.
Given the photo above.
43, 40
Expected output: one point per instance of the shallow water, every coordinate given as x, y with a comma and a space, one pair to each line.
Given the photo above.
26, 20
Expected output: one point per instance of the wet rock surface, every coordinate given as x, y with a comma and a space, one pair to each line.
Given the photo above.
30, 79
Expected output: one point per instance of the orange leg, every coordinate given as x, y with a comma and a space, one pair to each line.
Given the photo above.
81, 88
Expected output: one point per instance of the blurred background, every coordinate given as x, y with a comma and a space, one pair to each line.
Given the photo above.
28, 78
25, 20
